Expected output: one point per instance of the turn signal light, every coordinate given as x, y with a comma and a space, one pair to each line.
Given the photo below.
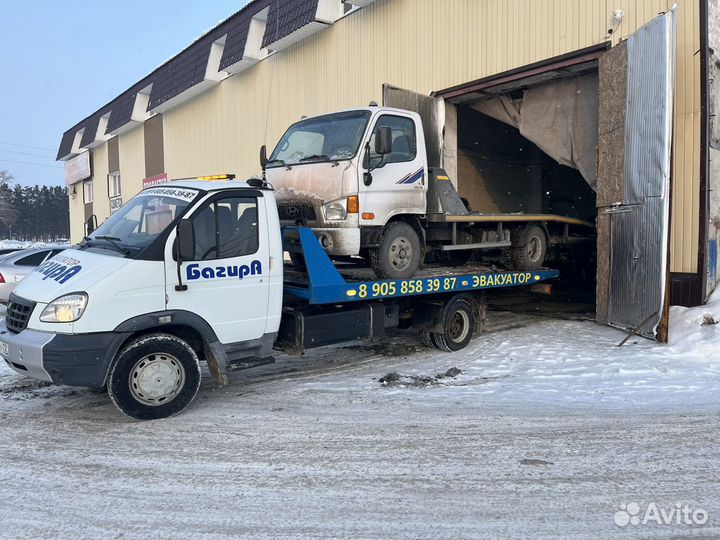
353, 206
368, 215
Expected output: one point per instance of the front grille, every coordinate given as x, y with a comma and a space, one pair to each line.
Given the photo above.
294, 211
18, 313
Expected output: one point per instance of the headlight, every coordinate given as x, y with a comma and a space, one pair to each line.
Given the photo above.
68, 308
335, 211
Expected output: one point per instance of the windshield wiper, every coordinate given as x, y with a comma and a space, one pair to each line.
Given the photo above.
314, 156
279, 161
114, 240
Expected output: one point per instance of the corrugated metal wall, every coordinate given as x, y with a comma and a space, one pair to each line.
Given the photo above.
423, 45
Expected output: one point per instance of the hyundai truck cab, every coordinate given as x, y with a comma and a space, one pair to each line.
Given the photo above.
348, 175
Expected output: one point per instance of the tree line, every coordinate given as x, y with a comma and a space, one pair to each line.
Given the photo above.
33, 213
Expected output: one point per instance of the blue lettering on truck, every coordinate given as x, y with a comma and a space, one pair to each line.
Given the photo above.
195, 272
59, 268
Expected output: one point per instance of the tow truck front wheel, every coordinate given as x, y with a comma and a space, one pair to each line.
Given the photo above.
155, 376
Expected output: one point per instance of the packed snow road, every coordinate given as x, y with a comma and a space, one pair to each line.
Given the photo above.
545, 431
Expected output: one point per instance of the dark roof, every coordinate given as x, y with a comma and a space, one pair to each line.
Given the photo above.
91, 125
237, 33
67, 141
285, 17
182, 72
188, 67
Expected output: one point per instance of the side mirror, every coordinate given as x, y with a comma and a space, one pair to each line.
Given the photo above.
263, 157
383, 140
91, 224
185, 240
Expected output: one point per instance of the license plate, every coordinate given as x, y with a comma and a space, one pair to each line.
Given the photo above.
4, 350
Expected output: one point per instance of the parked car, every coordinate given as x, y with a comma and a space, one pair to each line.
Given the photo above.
7, 251
15, 266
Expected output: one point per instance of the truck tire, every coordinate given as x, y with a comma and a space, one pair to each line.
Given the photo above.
458, 324
529, 247
399, 253
155, 376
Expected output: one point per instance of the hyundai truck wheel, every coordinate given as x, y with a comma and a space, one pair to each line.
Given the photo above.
155, 376
399, 253
529, 247
458, 323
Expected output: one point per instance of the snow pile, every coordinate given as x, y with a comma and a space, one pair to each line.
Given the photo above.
17, 244
528, 361
695, 332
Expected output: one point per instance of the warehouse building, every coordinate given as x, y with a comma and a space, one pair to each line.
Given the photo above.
604, 109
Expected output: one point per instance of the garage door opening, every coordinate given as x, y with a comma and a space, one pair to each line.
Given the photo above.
624, 157
501, 171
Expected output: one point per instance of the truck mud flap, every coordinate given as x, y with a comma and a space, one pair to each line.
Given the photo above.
309, 327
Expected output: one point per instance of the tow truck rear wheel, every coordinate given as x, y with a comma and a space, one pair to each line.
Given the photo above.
458, 324
399, 253
155, 376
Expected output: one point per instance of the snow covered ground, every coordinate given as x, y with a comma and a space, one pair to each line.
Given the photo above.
16, 244
545, 432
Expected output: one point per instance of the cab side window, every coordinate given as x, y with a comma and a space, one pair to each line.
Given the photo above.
404, 147
226, 228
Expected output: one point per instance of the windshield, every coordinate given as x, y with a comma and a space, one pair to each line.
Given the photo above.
136, 224
333, 137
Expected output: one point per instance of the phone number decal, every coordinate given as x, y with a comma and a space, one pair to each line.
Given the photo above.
408, 287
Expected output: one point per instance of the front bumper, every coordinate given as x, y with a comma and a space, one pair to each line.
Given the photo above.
339, 241
71, 359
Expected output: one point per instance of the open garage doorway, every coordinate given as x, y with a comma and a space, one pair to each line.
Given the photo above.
501, 171
624, 157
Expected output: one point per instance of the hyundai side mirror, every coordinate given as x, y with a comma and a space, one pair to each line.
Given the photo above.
91, 224
186, 240
263, 157
383, 140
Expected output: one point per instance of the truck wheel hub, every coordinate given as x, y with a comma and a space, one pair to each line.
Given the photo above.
534, 248
157, 379
400, 253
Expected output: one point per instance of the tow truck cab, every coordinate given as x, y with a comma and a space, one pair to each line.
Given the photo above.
125, 278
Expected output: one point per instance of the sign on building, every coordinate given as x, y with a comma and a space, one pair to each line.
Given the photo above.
78, 169
155, 180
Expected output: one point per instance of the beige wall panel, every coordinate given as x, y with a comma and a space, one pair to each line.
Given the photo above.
101, 203
77, 214
423, 45
132, 162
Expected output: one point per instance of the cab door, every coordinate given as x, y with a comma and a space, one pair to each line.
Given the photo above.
398, 180
228, 281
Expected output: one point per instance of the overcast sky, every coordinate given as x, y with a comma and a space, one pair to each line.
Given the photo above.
61, 61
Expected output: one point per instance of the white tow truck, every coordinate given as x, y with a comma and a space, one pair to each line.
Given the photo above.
194, 271
361, 180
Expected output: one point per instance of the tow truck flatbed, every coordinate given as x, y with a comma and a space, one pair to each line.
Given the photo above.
324, 282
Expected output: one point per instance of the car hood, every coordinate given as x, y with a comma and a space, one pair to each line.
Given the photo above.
69, 271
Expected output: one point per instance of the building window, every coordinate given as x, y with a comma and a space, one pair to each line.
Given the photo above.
114, 188
87, 191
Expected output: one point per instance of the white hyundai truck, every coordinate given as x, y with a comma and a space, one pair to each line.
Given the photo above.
194, 271
360, 179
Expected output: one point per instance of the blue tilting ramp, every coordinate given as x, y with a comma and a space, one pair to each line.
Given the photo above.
326, 285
